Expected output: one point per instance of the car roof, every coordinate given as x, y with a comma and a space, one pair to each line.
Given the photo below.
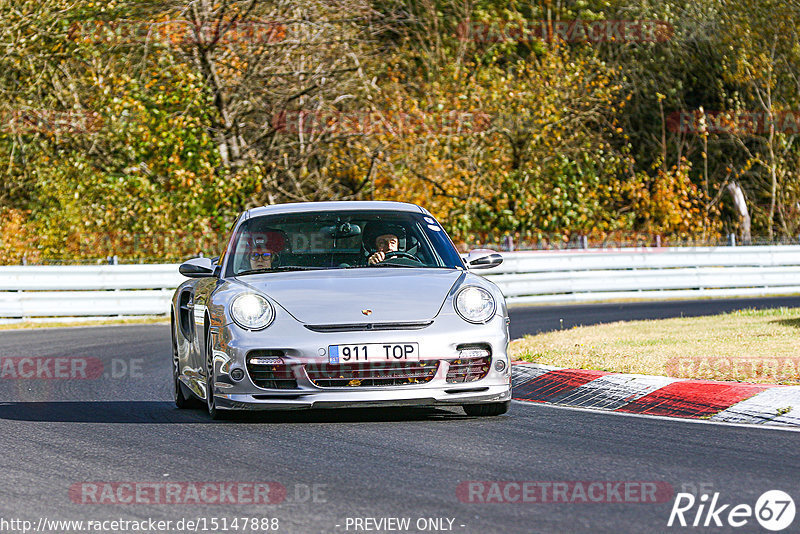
306, 207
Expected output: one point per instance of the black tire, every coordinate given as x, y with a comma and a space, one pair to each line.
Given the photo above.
181, 400
486, 410
215, 413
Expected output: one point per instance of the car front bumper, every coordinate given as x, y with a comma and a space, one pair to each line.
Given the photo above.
300, 347
386, 397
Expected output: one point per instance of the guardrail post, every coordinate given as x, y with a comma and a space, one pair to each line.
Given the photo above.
731, 239
508, 243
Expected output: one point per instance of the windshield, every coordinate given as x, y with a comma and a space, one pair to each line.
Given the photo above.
341, 240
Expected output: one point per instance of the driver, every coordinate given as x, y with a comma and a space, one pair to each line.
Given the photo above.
386, 238
384, 243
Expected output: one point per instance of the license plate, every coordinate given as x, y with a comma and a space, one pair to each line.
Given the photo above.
374, 352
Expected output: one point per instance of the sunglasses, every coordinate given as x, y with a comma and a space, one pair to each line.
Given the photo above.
257, 255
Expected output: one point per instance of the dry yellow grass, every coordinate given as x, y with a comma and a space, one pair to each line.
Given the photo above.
102, 322
745, 346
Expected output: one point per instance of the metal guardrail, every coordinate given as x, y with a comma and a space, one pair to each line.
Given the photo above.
647, 273
87, 290
524, 277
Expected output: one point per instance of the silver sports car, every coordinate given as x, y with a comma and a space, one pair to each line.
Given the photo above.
340, 304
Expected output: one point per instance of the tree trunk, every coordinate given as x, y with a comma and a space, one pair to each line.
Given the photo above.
744, 215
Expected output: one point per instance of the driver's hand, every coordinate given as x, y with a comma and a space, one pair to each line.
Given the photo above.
376, 258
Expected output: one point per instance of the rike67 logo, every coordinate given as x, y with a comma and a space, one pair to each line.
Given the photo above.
774, 510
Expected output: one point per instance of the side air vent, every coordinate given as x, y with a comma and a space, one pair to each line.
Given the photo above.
186, 314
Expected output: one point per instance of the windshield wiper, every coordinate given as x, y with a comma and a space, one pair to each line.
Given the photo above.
281, 268
398, 265
297, 268
251, 271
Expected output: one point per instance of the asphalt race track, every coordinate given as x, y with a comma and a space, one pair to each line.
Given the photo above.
63, 439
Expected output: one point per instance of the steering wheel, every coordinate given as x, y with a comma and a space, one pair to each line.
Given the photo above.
400, 254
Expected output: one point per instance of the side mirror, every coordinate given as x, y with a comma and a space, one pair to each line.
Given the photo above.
483, 259
197, 268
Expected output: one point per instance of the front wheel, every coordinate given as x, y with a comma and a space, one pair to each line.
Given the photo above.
486, 410
182, 401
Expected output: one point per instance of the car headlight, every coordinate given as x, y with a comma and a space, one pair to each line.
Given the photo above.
252, 311
475, 304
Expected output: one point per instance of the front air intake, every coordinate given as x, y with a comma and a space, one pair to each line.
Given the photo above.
268, 370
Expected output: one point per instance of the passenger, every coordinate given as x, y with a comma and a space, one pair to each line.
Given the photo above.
264, 248
261, 258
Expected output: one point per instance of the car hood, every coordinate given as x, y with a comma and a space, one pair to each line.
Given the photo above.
342, 296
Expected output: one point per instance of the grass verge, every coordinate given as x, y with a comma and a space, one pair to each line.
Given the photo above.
24, 325
761, 346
